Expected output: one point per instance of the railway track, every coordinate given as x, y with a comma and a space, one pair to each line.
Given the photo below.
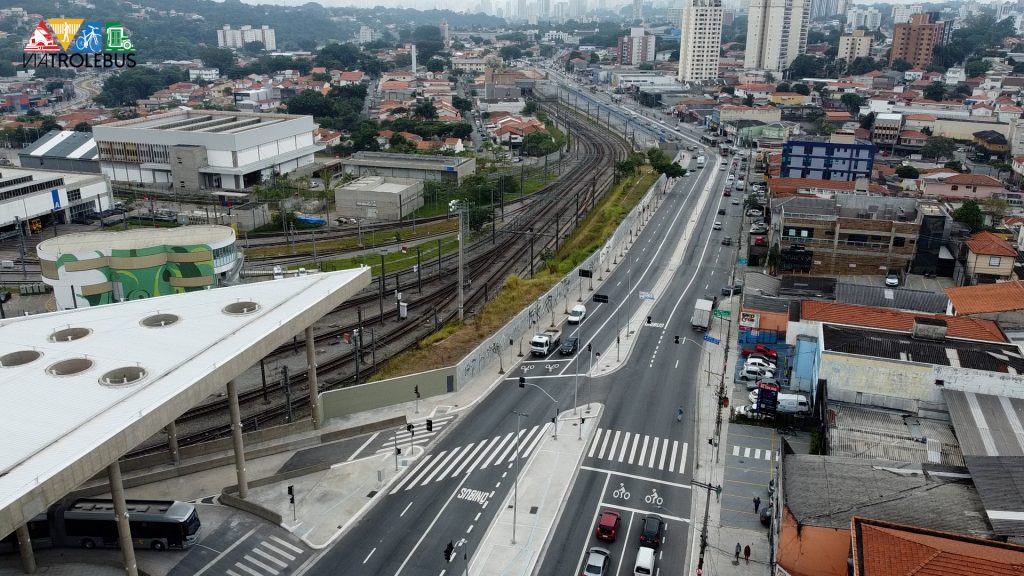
543, 222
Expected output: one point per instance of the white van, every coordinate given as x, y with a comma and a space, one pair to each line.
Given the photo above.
644, 562
788, 403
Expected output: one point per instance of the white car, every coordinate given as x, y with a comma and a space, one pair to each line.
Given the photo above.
754, 212
576, 314
760, 364
892, 279
717, 226
730, 179
598, 562
748, 411
753, 373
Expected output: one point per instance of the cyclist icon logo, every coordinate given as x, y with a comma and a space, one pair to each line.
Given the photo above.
90, 39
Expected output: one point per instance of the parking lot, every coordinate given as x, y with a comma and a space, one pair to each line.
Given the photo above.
749, 453
911, 281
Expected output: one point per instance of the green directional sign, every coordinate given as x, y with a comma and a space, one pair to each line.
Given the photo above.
719, 313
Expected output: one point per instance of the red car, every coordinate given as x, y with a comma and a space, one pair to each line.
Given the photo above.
760, 349
726, 193
608, 526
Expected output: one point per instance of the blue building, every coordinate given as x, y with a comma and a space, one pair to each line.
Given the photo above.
838, 157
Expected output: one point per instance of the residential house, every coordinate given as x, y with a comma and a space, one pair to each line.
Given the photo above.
348, 77
1002, 303
758, 91
984, 258
964, 186
453, 145
992, 142
839, 157
789, 99
912, 140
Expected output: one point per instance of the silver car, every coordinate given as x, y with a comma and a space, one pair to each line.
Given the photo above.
598, 562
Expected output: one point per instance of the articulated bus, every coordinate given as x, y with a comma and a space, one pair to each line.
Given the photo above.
90, 523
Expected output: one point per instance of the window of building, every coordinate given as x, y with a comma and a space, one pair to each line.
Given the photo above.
74, 195
994, 260
954, 187
899, 241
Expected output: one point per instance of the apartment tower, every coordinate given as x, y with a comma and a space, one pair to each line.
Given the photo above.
700, 40
914, 41
776, 33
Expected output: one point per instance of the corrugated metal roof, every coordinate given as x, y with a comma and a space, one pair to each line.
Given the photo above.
63, 144
987, 425
765, 303
829, 490
885, 297
763, 284
1000, 483
863, 432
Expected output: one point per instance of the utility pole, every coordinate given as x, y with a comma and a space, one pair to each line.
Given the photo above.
704, 527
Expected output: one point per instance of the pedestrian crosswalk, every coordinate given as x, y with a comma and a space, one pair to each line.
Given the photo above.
755, 453
270, 557
473, 456
419, 436
639, 449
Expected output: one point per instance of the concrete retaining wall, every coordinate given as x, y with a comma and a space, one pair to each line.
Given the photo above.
354, 399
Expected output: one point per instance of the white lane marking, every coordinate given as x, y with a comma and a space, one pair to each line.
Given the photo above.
536, 440
654, 452
269, 557
360, 449
597, 512
643, 450
622, 558
636, 477
735, 450
632, 451
645, 512
672, 460
245, 568
421, 471
470, 529
277, 551
494, 453
746, 452
604, 443
409, 505
229, 549
664, 451
682, 460
593, 443
367, 559
517, 441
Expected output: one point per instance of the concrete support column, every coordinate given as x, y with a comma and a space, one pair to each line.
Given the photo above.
314, 390
172, 442
28, 556
124, 533
236, 440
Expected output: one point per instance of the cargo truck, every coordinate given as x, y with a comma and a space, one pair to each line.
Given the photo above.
701, 161
545, 342
701, 320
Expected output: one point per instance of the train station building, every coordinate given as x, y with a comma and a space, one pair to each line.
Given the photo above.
193, 150
36, 199
452, 169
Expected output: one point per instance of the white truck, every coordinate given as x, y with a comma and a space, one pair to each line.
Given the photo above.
546, 342
701, 320
701, 161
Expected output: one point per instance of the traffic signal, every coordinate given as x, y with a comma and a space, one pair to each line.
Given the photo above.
449, 551
589, 347
291, 494
430, 425
522, 381
677, 339
648, 319
410, 427
416, 390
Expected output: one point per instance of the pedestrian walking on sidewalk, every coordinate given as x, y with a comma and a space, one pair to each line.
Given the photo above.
757, 503
738, 550
746, 553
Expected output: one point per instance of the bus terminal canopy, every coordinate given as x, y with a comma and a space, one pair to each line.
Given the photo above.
83, 387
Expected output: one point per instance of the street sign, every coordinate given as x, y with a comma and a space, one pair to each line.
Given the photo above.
741, 261
584, 273
719, 313
646, 295
712, 339
601, 298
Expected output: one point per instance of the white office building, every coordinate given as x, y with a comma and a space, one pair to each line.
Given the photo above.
863, 17
37, 199
700, 41
901, 13
229, 38
776, 33
856, 44
191, 150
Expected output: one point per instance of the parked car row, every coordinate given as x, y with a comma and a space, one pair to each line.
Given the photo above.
652, 534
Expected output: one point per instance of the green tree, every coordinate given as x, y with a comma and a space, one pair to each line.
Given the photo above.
253, 48
511, 52
801, 89
748, 100
901, 65
862, 65
435, 64
976, 67
547, 50
935, 91
955, 165
311, 103
852, 101
908, 172
220, 58
463, 105
805, 66
538, 144
82, 127
529, 109
938, 147
783, 87
998, 208
969, 213
867, 120
425, 110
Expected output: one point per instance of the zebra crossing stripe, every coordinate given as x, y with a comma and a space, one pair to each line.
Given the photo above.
604, 443
462, 457
495, 452
269, 557
466, 461
735, 450
439, 466
515, 443
682, 460
593, 443
654, 453
632, 451
245, 568
536, 440
277, 551
625, 446
643, 450
615, 442
256, 562
664, 451
424, 469
672, 460
411, 473
491, 443
536, 430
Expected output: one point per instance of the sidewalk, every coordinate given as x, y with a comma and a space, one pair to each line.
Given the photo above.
709, 467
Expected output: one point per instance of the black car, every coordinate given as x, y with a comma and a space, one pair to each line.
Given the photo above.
651, 531
721, 211
727, 241
569, 346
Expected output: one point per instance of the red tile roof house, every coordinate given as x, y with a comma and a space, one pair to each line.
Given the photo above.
1002, 302
964, 186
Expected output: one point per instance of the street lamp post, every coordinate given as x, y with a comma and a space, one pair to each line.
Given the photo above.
523, 383
515, 482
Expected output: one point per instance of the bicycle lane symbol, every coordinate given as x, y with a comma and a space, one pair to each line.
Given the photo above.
653, 498
621, 492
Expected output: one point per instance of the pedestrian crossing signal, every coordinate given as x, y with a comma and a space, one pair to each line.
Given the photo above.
430, 425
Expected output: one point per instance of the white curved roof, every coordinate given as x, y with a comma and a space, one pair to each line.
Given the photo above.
60, 430
135, 239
